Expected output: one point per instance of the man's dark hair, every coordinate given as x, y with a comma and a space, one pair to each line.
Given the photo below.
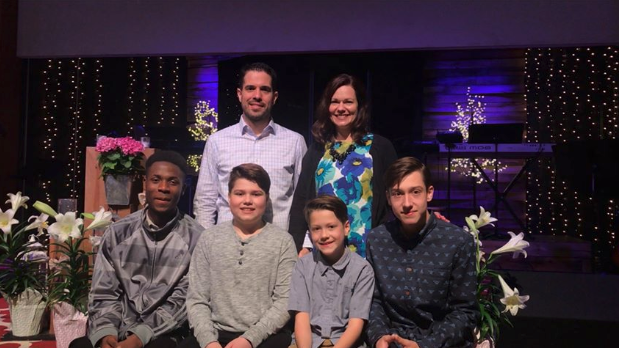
167, 156
258, 66
403, 167
252, 172
326, 202
323, 129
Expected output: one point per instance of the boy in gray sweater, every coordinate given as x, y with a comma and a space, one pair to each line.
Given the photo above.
239, 277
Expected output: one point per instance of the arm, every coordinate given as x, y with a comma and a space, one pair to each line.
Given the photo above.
457, 326
351, 334
300, 303
277, 316
302, 330
360, 302
198, 296
104, 307
304, 191
205, 200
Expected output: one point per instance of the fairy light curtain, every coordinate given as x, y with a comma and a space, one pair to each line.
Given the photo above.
572, 95
70, 101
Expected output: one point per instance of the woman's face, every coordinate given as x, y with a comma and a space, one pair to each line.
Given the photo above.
343, 108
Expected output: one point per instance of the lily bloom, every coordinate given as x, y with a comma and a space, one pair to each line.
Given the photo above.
483, 219
65, 227
515, 245
102, 219
6, 220
40, 223
511, 298
17, 200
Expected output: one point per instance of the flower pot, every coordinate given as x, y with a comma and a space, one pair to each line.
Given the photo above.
118, 189
69, 324
26, 311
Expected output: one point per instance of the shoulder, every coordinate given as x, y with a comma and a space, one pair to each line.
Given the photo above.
127, 225
381, 143
224, 133
379, 231
193, 226
360, 265
449, 232
305, 263
276, 233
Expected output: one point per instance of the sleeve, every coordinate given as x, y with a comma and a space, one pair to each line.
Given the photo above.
104, 306
385, 154
277, 316
199, 310
171, 315
305, 190
205, 200
361, 299
379, 323
458, 325
299, 293
300, 151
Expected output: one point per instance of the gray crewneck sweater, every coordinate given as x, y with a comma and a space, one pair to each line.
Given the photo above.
240, 285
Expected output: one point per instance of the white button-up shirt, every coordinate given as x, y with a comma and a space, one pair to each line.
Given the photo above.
277, 149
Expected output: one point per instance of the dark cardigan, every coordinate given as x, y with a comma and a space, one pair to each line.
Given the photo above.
383, 154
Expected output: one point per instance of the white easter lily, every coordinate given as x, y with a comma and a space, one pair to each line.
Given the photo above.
515, 245
40, 223
483, 219
17, 200
6, 220
511, 298
65, 227
102, 219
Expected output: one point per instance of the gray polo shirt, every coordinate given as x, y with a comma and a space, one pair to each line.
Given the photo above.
331, 294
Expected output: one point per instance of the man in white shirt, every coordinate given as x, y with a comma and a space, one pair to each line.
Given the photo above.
255, 139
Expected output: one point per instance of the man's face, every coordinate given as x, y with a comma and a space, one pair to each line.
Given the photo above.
328, 234
163, 188
256, 96
409, 201
248, 202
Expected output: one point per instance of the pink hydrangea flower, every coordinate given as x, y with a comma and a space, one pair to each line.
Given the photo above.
129, 146
106, 144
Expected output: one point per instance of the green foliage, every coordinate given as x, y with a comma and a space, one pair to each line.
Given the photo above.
116, 163
18, 270
69, 281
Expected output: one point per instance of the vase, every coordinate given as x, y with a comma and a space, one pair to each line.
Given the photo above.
26, 311
118, 189
69, 324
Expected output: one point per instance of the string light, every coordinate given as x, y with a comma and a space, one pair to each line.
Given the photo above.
571, 95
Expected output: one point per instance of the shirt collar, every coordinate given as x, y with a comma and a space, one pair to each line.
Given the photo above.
340, 265
410, 242
245, 129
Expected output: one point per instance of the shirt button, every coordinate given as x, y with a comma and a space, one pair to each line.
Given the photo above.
407, 292
240, 262
408, 269
241, 252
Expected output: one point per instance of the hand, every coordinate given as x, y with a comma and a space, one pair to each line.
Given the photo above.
109, 341
132, 341
304, 251
239, 342
440, 216
213, 345
384, 341
405, 343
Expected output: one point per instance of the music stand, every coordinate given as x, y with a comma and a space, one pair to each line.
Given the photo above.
449, 139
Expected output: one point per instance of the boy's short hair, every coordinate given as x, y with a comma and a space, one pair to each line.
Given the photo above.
252, 172
403, 167
326, 202
167, 156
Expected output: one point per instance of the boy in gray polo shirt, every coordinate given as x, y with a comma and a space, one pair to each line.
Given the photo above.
331, 290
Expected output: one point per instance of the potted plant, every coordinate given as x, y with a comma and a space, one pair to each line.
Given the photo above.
120, 160
488, 293
23, 262
70, 271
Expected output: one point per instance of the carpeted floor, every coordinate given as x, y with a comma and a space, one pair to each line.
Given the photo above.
8, 341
